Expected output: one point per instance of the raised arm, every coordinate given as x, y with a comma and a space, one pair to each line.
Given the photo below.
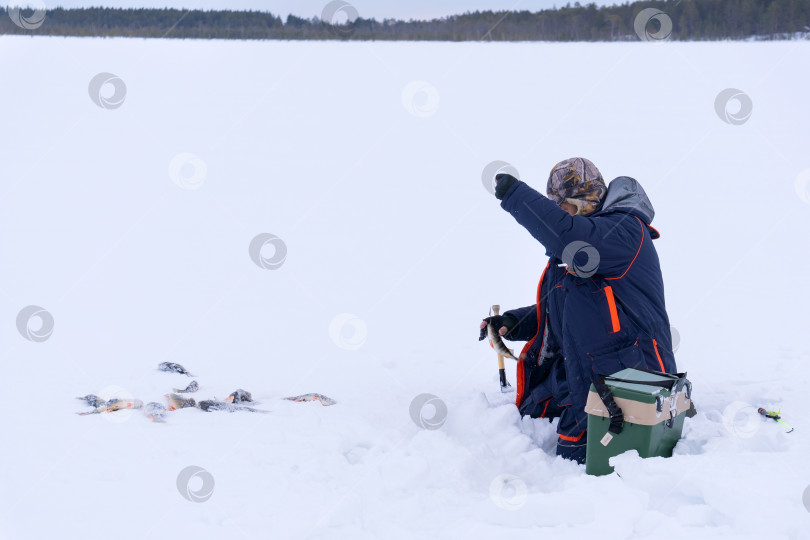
556, 229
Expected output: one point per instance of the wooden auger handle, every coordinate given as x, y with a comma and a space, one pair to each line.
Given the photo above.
496, 310
505, 386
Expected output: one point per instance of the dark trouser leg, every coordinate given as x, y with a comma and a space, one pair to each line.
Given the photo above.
573, 438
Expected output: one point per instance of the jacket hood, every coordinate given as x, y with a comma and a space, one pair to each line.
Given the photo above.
625, 194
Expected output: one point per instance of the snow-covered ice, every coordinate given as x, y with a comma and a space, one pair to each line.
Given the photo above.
131, 225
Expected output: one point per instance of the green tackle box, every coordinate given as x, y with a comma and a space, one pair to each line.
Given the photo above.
642, 410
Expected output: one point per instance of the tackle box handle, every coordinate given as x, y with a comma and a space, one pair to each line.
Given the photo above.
675, 384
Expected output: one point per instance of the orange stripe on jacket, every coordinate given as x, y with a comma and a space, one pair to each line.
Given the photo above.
572, 439
637, 251
525, 351
660, 362
614, 314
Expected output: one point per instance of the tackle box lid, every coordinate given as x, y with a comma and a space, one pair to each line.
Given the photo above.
640, 392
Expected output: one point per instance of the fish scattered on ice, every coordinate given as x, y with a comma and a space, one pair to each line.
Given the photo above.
179, 402
93, 400
210, 405
115, 405
173, 368
239, 396
192, 387
325, 401
155, 411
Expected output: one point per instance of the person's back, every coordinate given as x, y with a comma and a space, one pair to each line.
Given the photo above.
614, 315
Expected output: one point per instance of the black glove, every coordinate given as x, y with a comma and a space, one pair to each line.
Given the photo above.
503, 182
498, 321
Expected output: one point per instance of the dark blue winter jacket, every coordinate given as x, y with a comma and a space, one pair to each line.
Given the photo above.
603, 312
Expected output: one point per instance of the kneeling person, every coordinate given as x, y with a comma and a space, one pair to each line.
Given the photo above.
600, 301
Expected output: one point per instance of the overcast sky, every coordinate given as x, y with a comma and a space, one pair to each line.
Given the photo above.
377, 9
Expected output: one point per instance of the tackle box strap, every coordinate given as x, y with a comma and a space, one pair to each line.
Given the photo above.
615, 412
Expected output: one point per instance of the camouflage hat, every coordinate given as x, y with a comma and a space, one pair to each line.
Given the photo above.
578, 182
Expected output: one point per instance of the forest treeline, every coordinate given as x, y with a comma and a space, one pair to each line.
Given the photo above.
681, 20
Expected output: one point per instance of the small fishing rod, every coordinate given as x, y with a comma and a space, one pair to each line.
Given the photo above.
774, 415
